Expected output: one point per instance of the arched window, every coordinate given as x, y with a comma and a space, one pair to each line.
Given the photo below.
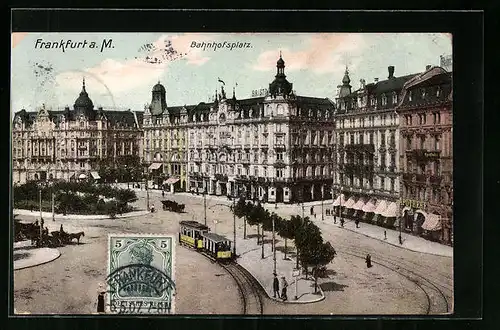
280, 110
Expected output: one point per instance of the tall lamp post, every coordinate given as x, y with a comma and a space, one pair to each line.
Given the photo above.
205, 202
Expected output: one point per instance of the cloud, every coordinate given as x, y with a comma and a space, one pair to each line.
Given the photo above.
323, 53
113, 76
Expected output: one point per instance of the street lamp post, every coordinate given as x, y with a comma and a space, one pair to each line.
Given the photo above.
147, 191
234, 228
274, 248
205, 204
322, 198
41, 218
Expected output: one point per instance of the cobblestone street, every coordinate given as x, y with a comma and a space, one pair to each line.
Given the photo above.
204, 287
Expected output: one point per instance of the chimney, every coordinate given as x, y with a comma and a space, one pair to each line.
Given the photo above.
391, 71
376, 80
427, 67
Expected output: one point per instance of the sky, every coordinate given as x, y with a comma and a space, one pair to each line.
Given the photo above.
120, 74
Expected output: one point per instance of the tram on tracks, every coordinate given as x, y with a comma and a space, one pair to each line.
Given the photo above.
198, 236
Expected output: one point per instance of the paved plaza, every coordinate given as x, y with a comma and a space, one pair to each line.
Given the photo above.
204, 287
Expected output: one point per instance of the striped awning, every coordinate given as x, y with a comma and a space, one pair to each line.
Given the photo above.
359, 204
381, 206
391, 211
340, 200
171, 180
369, 206
432, 222
350, 203
95, 175
155, 166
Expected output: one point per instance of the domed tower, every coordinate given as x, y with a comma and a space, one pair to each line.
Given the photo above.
159, 100
345, 88
83, 104
280, 86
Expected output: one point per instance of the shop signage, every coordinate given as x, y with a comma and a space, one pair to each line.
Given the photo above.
413, 203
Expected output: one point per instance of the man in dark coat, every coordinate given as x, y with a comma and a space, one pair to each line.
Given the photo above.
276, 286
368, 261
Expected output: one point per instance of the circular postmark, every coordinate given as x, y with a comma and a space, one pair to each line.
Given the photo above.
159, 52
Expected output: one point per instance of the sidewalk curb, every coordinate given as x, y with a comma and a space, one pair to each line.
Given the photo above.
41, 263
322, 297
28, 213
393, 244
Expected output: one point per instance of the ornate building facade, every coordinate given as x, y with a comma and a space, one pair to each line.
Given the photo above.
426, 155
68, 144
275, 148
366, 184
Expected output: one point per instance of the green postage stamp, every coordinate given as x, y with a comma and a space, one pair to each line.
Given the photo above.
140, 274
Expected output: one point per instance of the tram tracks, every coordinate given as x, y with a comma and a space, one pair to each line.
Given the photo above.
437, 300
249, 289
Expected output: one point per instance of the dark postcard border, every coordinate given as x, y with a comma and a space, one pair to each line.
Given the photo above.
467, 30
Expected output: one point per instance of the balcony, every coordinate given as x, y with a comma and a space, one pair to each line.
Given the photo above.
221, 177
423, 154
279, 146
360, 148
279, 163
407, 177
421, 178
435, 179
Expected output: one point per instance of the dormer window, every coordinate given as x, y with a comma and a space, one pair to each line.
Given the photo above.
384, 100
394, 98
422, 92
372, 101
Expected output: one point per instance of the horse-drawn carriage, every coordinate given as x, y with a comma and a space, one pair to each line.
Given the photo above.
41, 237
173, 206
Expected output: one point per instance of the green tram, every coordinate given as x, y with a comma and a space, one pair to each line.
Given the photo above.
198, 237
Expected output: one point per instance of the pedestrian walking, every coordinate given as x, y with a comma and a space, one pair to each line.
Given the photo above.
368, 261
385, 235
357, 223
314, 215
342, 222
312, 210
276, 286
100, 302
163, 193
284, 285
400, 240
61, 230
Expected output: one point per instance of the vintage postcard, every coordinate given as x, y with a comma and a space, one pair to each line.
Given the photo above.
285, 173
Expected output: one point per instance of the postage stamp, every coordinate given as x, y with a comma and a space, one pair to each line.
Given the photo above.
140, 274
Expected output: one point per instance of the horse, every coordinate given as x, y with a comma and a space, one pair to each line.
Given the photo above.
76, 235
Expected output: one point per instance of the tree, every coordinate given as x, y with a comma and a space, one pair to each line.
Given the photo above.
241, 210
307, 238
294, 225
284, 229
317, 255
255, 215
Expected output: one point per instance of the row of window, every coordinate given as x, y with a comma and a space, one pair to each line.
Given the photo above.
422, 118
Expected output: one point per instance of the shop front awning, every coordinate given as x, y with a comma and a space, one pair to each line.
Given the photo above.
154, 166
350, 203
171, 180
391, 211
406, 208
359, 204
381, 206
369, 206
95, 175
339, 200
82, 176
432, 222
